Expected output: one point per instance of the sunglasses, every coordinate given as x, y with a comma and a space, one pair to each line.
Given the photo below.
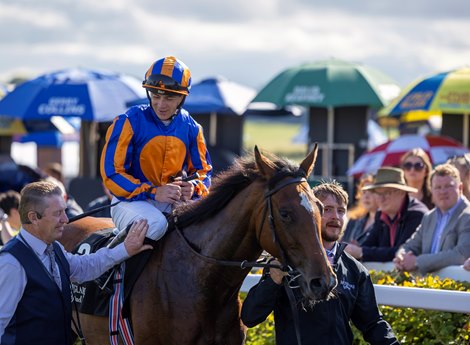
418, 166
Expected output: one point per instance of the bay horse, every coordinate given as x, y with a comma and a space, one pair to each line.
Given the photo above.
184, 296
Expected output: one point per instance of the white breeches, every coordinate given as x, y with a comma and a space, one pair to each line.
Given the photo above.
127, 212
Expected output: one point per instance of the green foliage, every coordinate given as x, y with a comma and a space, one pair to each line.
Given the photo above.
412, 326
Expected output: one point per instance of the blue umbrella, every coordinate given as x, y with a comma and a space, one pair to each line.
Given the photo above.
215, 95
90, 95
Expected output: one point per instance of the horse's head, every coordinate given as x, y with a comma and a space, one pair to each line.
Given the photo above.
290, 226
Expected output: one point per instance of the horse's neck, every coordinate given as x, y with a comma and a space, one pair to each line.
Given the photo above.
230, 234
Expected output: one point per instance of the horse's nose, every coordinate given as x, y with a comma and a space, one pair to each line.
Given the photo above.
323, 285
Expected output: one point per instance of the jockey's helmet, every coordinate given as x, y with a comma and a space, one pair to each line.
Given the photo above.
168, 75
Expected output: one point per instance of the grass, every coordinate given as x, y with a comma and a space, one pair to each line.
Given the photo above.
274, 136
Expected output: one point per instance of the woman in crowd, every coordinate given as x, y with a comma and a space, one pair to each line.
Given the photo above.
362, 215
417, 168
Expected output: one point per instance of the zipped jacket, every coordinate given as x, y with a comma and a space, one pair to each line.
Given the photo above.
326, 322
142, 154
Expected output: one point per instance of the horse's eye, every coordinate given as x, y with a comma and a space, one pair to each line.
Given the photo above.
285, 215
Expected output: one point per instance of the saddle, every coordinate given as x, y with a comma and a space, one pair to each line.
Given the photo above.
88, 296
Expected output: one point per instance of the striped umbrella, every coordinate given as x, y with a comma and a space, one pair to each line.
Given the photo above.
438, 148
447, 92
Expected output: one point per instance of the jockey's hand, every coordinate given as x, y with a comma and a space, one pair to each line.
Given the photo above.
187, 190
169, 193
134, 242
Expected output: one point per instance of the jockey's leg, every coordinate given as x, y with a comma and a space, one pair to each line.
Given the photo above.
125, 213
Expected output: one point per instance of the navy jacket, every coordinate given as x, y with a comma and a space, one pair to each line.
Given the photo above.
327, 322
44, 313
377, 245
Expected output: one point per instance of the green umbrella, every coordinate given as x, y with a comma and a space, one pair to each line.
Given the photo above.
331, 83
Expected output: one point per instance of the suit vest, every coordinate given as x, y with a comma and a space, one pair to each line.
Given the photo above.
44, 313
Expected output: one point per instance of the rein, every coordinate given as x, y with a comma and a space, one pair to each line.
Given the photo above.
267, 211
287, 282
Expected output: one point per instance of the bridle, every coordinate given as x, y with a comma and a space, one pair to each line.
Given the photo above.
276, 183
268, 211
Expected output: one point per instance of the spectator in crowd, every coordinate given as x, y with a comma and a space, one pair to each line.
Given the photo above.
73, 209
362, 215
417, 168
443, 237
10, 222
397, 219
35, 270
325, 322
101, 201
462, 163
54, 170
15, 176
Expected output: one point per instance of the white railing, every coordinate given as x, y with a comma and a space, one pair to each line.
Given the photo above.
399, 296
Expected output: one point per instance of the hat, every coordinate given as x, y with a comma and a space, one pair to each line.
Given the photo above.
390, 178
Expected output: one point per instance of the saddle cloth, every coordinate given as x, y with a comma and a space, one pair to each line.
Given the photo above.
89, 297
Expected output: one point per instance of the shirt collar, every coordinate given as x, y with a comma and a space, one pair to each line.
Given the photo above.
451, 210
39, 246
333, 250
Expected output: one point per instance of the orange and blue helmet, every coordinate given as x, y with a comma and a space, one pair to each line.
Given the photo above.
168, 75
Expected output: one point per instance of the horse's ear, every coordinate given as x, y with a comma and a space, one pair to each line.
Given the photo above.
265, 166
309, 162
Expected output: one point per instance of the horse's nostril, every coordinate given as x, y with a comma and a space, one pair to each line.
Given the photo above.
315, 283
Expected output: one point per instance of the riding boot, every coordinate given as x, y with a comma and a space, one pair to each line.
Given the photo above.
104, 280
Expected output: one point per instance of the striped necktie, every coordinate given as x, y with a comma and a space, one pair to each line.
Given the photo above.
53, 266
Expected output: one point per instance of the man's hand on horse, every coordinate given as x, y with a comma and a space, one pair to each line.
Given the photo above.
134, 241
276, 274
169, 193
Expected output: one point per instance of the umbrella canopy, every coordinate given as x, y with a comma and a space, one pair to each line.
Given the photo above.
438, 148
330, 83
215, 95
91, 95
447, 92
219, 95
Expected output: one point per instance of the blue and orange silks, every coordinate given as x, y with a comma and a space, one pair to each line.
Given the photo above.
141, 154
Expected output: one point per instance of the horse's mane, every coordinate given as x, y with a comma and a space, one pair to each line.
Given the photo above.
227, 184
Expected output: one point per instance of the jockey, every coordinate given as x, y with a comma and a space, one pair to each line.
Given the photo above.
149, 146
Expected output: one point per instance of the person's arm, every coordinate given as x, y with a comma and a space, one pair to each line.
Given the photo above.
116, 159
88, 267
12, 286
199, 162
367, 317
260, 301
456, 250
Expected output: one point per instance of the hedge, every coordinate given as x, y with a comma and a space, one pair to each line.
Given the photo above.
412, 326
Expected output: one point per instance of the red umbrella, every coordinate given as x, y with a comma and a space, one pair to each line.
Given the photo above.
438, 148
